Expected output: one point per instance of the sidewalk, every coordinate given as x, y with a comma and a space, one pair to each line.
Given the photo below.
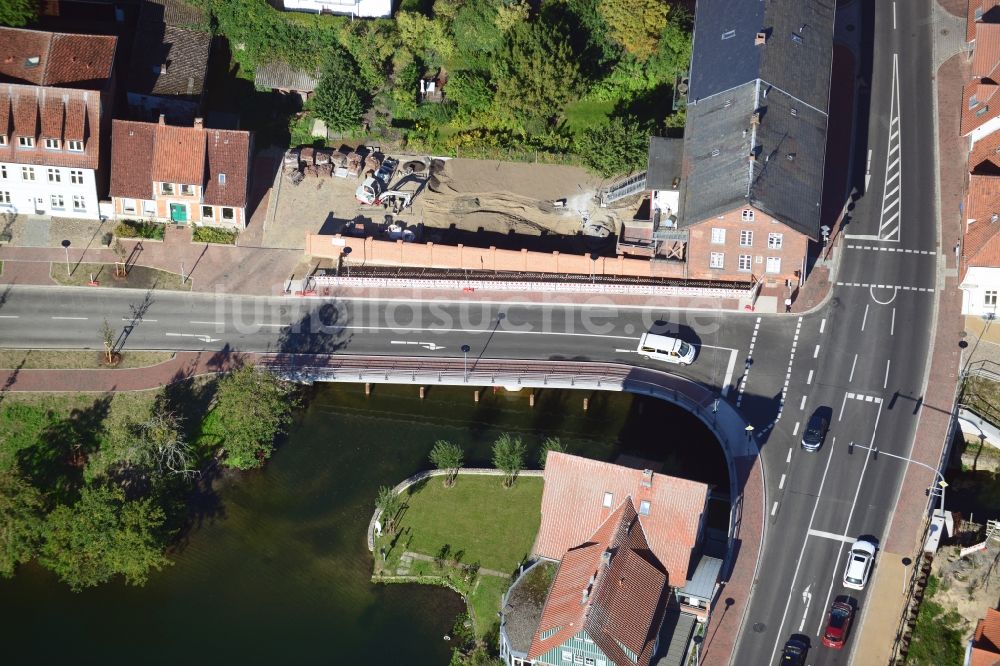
887, 601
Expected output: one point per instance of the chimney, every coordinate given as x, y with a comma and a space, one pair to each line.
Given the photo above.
199, 124
163, 119
993, 218
606, 557
760, 39
647, 478
585, 594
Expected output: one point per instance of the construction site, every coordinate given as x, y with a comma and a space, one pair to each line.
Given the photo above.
360, 192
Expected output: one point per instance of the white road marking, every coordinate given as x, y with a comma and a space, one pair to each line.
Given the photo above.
781, 484
137, 319
802, 405
816, 352
788, 458
891, 200
892, 325
885, 384
626, 351
894, 16
822, 324
864, 320
795, 430
842, 405
748, 364
798, 562
72, 318
730, 368
208, 323
809, 379
831, 535
807, 600
9, 317
203, 338
774, 509
431, 346
851, 378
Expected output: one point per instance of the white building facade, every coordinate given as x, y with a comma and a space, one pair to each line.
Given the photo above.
980, 291
35, 189
359, 8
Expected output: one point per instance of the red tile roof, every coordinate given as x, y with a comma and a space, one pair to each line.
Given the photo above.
988, 11
986, 57
986, 640
618, 601
132, 159
573, 507
985, 156
5, 122
985, 106
76, 61
981, 242
53, 112
185, 155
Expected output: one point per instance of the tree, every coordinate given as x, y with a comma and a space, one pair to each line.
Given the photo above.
538, 73
103, 535
121, 267
618, 146
550, 444
18, 13
508, 457
635, 24
447, 456
108, 338
389, 504
337, 105
20, 521
155, 445
252, 407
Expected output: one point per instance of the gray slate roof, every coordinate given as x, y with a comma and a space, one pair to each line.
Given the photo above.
525, 602
664, 165
728, 81
172, 12
702, 581
185, 52
281, 75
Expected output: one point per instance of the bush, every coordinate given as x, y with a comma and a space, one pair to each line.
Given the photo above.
215, 235
140, 229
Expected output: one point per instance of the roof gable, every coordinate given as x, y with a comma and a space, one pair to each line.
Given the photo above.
986, 57
179, 155
981, 11
132, 157
56, 59
228, 164
981, 241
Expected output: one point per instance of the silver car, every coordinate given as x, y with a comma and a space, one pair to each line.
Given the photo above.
859, 565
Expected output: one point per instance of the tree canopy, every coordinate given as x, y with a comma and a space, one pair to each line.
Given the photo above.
447, 456
635, 24
617, 146
251, 408
508, 457
21, 515
17, 13
104, 535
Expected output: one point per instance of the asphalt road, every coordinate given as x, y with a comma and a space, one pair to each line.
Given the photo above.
863, 355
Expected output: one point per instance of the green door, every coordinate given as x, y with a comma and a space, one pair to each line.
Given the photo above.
178, 213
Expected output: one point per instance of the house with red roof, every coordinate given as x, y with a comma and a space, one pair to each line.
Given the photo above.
180, 174
984, 648
56, 92
618, 544
981, 105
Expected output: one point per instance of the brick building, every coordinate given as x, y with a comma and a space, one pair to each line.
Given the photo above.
981, 110
180, 174
755, 139
56, 92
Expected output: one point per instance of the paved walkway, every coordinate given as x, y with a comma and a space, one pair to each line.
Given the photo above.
427, 558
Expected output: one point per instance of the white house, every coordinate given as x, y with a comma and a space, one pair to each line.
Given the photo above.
980, 251
359, 8
54, 92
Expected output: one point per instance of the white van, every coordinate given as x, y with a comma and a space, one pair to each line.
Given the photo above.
665, 348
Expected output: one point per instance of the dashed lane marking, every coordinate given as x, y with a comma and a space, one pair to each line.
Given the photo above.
781, 484
868, 285
788, 458
788, 374
774, 509
901, 250
748, 363
795, 430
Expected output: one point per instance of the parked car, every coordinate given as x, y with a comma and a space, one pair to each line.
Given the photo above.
815, 432
665, 348
794, 653
859, 564
838, 623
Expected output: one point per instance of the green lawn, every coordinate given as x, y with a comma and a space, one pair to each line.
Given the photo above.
31, 359
586, 113
484, 600
492, 525
139, 277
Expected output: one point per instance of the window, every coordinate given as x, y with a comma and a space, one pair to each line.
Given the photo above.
578, 659
76, 176
166, 188
991, 298
774, 264
589, 661
973, 101
54, 176
128, 205
567, 656
26, 141
744, 262
644, 508
222, 179
227, 213
75, 146
748, 215
729, 34
718, 236
79, 202
717, 260
52, 144
32, 61
774, 241
608, 498
27, 173
746, 238
57, 201
206, 213
187, 190
149, 208
3, 171
5, 198
3, 139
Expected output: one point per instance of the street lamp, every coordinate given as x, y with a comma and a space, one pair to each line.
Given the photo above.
875, 453
66, 245
465, 362
749, 431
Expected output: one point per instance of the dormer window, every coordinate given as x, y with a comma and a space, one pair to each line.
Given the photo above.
32, 61
608, 498
222, 179
748, 215
75, 146
26, 141
973, 101
643, 508
52, 144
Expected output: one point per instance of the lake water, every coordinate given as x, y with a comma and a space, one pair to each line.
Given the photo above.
283, 574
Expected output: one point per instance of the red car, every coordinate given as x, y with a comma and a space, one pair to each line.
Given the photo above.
838, 624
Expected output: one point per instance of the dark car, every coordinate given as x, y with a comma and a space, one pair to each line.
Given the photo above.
816, 429
794, 653
838, 624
